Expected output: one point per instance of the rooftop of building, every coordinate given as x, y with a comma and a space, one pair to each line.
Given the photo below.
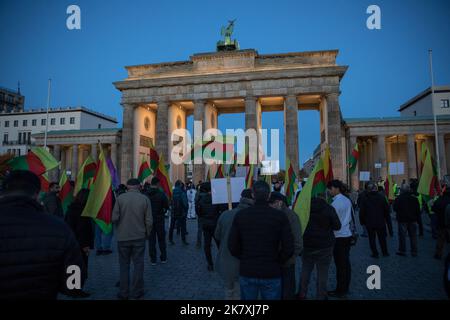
61, 109
80, 132
396, 119
423, 94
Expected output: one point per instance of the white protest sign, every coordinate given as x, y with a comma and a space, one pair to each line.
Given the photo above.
364, 176
396, 168
219, 189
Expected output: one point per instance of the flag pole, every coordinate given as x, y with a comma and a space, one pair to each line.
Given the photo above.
438, 160
48, 107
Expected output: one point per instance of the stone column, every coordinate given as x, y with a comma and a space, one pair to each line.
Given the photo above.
57, 155
198, 173
291, 129
74, 168
370, 157
411, 148
127, 156
442, 155
334, 134
162, 130
114, 154
63, 166
382, 156
94, 151
354, 177
251, 122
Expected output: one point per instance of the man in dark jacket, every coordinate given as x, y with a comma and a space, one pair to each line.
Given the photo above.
36, 249
179, 211
374, 215
318, 243
52, 203
208, 213
279, 201
160, 204
262, 240
407, 209
443, 230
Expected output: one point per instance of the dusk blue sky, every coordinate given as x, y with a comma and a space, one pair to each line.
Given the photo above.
386, 67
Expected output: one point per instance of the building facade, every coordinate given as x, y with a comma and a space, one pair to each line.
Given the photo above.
17, 129
157, 98
10, 100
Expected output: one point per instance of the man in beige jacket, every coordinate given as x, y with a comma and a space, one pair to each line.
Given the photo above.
132, 219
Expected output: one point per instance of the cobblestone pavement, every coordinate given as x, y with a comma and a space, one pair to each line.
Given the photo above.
185, 275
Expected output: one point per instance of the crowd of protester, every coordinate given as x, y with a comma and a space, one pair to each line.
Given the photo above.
260, 242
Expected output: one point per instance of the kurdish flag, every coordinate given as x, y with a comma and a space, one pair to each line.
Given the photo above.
100, 201
66, 192
196, 151
154, 159
144, 170
249, 179
389, 188
219, 172
314, 186
163, 176
220, 149
289, 181
85, 173
232, 167
354, 156
327, 165
38, 160
428, 183
45, 185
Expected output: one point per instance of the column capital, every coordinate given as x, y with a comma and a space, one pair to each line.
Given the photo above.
332, 94
128, 106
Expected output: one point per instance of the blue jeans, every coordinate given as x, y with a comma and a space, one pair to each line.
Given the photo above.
102, 240
270, 289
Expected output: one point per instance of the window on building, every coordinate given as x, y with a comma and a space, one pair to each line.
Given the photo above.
99, 126
25, 123
62, 121
72, 120
415, 113
18, 152
20, 138
6, 124
43, 122
445, 104
29, 138
5, 137
34, 122
52, 121
16, 123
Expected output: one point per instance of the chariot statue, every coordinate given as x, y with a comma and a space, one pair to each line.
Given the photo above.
227, 44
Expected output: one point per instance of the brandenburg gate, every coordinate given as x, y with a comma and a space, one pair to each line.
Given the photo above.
157, 98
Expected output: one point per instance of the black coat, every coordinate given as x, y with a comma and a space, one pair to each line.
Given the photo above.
81, 226
261, 238
52, 204
323, 220
374, 211
407, 208
159, 202
439, 208
35, 250
207, 212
